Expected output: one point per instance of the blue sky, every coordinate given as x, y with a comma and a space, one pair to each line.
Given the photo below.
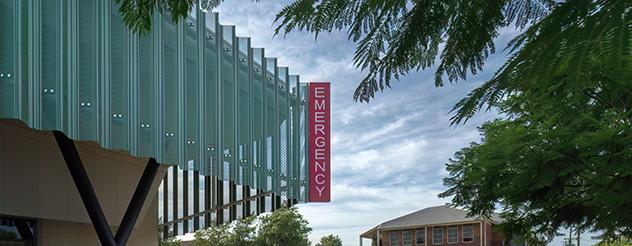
387, 156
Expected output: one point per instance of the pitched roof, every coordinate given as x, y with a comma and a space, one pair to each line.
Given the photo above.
432, 216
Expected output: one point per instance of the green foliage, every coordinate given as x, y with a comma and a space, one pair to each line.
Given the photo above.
243, 232
397, 36
562, 157
216, 235
330, 240
7, 235
240, 232
170, 242
620, 241
283, 227
581, 44
137, 14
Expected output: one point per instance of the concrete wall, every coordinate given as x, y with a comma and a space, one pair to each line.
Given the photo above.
35, 183
58, 233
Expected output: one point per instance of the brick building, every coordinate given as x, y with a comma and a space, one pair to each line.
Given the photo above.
440, 225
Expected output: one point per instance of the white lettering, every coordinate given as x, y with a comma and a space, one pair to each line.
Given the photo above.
320, 178
320, 191
319, 104
319, 117
319, 92
320, 142
319, 128
320, 166
319, 154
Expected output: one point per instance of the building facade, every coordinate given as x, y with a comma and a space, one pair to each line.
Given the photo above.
436, 226
228, 122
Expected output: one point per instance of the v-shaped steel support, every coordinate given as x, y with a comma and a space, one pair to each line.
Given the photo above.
89, 198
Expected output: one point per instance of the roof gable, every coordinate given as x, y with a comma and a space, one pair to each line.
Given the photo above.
430, 216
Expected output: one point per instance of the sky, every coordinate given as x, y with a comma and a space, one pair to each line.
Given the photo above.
388, 156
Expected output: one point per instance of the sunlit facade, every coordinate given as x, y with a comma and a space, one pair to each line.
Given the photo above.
191, 94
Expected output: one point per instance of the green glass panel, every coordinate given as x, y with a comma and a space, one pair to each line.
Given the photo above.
303, 170
282, 73
147, 103
243, 109
191, 93
228, 101
51, 67
257, 116
272, 143
87, 70
211, 99
8, 86
119, 81
170, 92
24, 39
293, 164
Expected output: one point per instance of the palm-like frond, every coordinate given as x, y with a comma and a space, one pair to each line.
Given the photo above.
397, 36
579, 43
137, 14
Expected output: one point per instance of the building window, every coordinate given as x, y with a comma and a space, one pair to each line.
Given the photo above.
468, 233
437, 235
420, 236
394, 238
407, 238
453, 234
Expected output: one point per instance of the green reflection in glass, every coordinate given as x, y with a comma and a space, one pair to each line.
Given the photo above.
170, 92
87, 70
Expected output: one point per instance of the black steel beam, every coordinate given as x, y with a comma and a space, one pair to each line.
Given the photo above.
207, 201
136, 203
24, 230
84, 187
220, 201
278, 204
185, 200
246, 206
232, 197
165, 205
196, 199
175, 199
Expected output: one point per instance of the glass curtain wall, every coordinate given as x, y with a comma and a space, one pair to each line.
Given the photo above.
190, 94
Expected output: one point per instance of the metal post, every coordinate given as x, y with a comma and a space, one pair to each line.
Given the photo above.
196, 199
175, 200
84, 187
137, 201
185, 200
207, 200
165, 206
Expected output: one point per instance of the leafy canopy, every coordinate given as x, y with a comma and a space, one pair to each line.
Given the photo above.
330, 240
282, 227
395, 37
562, 155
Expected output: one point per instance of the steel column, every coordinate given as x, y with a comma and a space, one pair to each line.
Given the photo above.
137, 201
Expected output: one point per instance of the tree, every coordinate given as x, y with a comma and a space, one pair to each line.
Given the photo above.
619, 241
216, 235
283, 227
170, 242
560, 153
330, 240
243, 232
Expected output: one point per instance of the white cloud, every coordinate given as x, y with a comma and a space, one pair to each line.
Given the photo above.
387, 156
